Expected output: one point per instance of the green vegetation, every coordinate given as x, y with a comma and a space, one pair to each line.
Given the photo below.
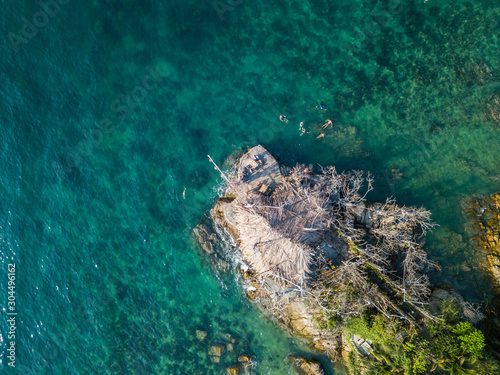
441, 346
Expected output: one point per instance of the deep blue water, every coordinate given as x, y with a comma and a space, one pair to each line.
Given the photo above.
109, 109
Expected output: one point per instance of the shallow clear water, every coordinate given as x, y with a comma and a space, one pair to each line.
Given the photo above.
94, 217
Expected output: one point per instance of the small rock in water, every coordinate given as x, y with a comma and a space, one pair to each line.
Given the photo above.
229, 347
228, 337
215, 359
244, 358
246, 361
215, 350
465, 268
201, 335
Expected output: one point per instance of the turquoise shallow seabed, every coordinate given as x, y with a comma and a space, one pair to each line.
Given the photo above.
108, 280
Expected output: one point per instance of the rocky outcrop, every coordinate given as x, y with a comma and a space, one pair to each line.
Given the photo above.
222, 214
302, 319
485, 213
210, 244
282, 224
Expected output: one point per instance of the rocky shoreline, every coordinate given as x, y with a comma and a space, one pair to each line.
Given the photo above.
484, 214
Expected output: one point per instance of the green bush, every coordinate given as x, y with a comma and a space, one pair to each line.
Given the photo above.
472, 340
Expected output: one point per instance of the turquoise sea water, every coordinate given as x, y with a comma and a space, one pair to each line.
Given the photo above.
108, 112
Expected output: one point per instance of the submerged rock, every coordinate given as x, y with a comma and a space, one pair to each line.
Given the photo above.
228, 337
346, 348
234, 370
203, 235
201, 335
210, 244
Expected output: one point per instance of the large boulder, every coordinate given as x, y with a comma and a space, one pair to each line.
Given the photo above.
301, 317
301, 321
307, 366
440, 294
466, 310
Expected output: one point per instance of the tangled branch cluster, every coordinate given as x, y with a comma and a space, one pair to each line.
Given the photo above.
281, 233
